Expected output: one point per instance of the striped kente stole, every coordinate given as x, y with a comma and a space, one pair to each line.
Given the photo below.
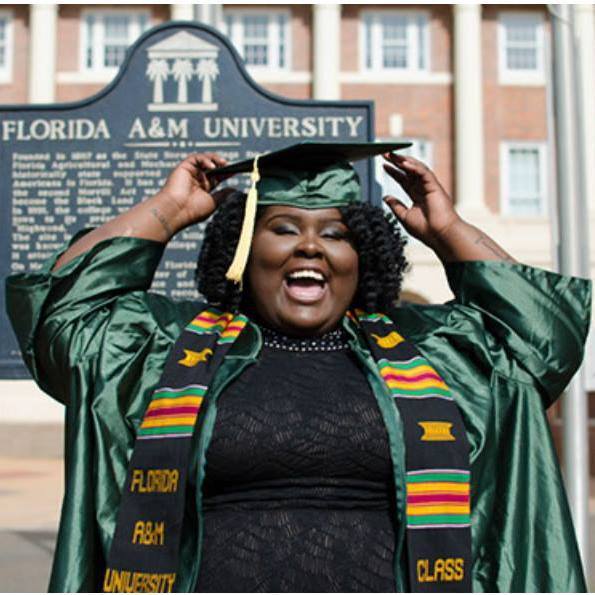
145, 549
436, 460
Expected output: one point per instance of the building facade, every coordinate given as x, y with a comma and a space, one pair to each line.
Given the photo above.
468, 84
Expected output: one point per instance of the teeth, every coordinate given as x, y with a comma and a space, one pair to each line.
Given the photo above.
316, 276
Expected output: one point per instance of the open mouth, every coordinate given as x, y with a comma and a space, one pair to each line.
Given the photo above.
305, 285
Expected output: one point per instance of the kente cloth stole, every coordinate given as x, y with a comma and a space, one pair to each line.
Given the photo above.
438, 512
144, 554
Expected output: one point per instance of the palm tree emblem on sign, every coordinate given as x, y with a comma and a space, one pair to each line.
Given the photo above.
177, 66
157, 71
182, 72
207, 72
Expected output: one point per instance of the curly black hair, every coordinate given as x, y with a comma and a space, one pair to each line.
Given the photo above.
375, 234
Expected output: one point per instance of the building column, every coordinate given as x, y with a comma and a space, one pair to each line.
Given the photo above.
584, 18
42, 52
210, 14
469, 136
182, 12
326, 51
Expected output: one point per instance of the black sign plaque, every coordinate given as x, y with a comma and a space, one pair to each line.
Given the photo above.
182, 88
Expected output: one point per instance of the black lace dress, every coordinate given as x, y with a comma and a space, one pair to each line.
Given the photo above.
297, 495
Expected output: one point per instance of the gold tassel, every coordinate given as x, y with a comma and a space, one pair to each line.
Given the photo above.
240, 259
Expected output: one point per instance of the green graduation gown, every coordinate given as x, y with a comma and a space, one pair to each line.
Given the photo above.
95, 339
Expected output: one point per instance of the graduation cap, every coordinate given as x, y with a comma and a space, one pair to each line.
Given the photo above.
308, 175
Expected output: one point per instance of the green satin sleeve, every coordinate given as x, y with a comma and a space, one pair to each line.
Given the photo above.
58, 316
506, 345
536, 321
96, 339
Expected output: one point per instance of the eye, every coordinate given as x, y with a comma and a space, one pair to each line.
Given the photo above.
282, 229
335, 233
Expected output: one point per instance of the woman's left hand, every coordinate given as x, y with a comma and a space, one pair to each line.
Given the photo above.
432, 218
432, 212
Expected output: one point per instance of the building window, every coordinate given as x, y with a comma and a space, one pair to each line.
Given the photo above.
521, 48
261, 38
106, 35
395, 40
6, 49
523, 179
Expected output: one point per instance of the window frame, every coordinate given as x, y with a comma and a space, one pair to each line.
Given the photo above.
505, 205
413, 54
526, 76
236, 36
6, 71
100, 13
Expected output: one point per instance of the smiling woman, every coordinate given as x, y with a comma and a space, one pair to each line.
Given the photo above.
302, 430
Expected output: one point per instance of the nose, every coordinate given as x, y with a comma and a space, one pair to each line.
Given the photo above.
309, 246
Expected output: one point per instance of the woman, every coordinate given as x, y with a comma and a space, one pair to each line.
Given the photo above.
298, 478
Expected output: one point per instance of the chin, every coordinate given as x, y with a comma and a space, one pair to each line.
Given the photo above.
306, 323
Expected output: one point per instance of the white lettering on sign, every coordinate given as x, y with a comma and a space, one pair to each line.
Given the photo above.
282, 126
55, 129
172, 128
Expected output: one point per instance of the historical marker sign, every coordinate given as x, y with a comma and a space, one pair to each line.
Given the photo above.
181, 89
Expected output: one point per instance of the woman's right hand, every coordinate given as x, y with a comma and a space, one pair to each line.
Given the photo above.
191, 190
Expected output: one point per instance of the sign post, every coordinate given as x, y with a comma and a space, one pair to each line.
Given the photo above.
573, 253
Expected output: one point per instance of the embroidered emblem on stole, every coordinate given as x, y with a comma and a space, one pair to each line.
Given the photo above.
193, 358
389, 341
437, 431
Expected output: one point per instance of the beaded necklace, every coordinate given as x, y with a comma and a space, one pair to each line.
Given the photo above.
335, 340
